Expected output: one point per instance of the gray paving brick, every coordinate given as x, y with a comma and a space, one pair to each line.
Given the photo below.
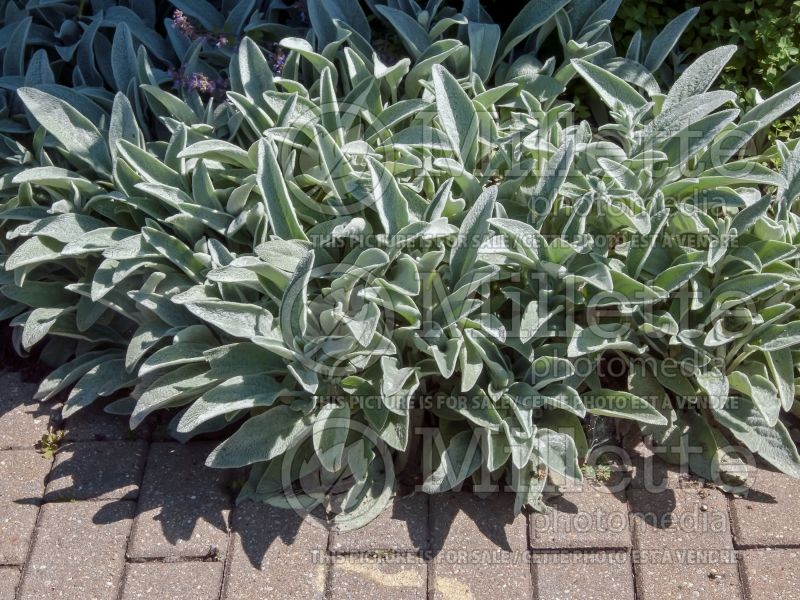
183, 505
275, 553
23, 420
403, 527
482, 575
9, 578
769, 514
479, 547
771, 574
683, 546
585, 575
379, 578
172, 581
589, 517
465, 521
655, 475
78, 551
22, 477
97, 471
680, 518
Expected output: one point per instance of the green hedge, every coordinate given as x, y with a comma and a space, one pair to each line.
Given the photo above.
767, 33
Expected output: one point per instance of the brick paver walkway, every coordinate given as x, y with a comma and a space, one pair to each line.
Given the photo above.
132, 516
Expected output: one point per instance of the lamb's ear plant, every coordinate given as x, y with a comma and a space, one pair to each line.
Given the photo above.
362, 269
85, 52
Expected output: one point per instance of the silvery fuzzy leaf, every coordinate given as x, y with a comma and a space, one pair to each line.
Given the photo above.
123, 125
596, 339
329, 433
261, 438
457, 115
168, 106
70, 372
55, 177
533, 16
781, 369
484, 39
38, 323
254, 73
680, 116
633, 73
774, 444
179, 353
123, 58
437, 53
39, 71
63, 228
74, 132
778, 337
459, 460
175, 251
306, 50
411, 33
236, 394
613, 91
623, 405
234, 318
218, 150
558, 452
677, 275
292, 315
773, 107
14, 56
390, 204
473, 232
277, 202
665, 41
102, 380
148, 167
372, 500
172, 389
699, 75
760, 390
550, 182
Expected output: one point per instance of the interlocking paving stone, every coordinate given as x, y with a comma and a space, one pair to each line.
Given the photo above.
769, 514
403, 527
683, 546
379, 578
22, 476
654, 474
9, 577
97, 471
275, 554
590, 517
23, 420
479, 547
479, 578
177, 580
183, 505
771, 574
465, 521
585, 575
93, 424
78, 551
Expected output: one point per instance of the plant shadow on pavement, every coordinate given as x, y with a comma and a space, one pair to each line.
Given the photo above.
178, 491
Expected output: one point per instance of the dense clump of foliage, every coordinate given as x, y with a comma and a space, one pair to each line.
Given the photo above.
361, 263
